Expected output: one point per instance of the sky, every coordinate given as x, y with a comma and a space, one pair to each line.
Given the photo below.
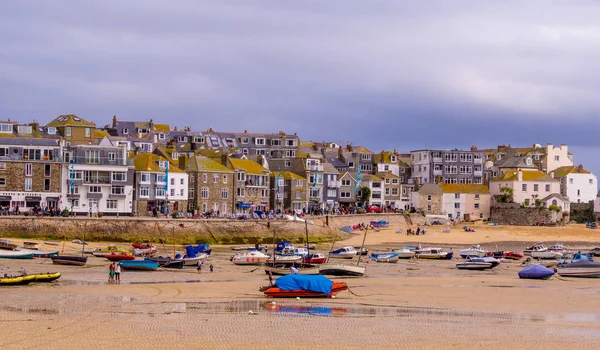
382, 73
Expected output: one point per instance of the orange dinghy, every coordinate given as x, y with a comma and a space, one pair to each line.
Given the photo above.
307, 286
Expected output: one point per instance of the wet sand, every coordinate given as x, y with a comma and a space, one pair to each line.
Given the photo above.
416, 303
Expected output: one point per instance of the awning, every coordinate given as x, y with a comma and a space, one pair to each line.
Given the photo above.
33, 198
244, 205
330, 201
52, 198
5, 198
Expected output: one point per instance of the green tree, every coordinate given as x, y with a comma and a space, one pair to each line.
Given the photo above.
506, 195
365, 194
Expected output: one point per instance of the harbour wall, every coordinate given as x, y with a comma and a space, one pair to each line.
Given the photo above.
506, 215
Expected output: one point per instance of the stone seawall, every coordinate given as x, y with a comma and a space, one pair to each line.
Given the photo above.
527, 216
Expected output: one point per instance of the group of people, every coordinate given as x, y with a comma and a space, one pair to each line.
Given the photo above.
199, 266
419, 231
114, 273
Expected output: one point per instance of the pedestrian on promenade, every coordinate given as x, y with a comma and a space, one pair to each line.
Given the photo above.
111, 273
117, 274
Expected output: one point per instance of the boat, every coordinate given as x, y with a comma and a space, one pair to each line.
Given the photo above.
191, 261
282, 269
195, 250
300, 251
47, 277
143, 265
333, 269
284, 248
546, 263
363, 251
581, 268
55, 243
16, 280
433, 253
78, 241
493, 261
260, 248
69, 260
101, 252
474, 250
141, 245
167, 262
293, 286
314, 258
596, 251
474, 263
404, 253
385, 257
7, 245
40, 253
539, 250
144, 251
536, 272
344, 253
250, 258
119, 256
15, 254
512, 255
558, 247
286, 258
310, 246
31, 245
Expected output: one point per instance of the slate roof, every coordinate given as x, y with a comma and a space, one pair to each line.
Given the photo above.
22, 141
149, 162
70, 120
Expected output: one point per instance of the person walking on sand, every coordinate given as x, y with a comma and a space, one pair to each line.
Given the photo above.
117, 274
111, 273
199, 267
211, 267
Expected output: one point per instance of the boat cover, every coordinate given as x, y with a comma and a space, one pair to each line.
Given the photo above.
283, 245
192, 251
535, 272
312, 283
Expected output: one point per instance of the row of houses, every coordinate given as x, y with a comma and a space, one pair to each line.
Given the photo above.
145, 168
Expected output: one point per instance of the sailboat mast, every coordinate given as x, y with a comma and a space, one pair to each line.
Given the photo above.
306, 230
361, 246
83, 243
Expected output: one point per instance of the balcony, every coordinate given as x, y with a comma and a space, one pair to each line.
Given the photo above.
478, 160
312, 167
437, 159
477, 173
18, 156
99, 180
437, 172
94, 195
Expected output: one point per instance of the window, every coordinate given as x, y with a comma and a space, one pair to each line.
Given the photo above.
192, 178
386, 168
429, 198
264, 193
2, 181
276, 142
47, 185
92, 157
224, 208
24, 129
172, 182
181, 192
245, 140
145, 177
68, 131
290, 153
524, 187
260, 151
87, 132
162, 164
387, 191
3, 151
331, 193
119, 176
395, 191
240, 192
28, 169
535, 187
366, 167
190, 193
112, 156
476, 196
456, 205
291, 143
245, 151
204, 207
204, 193
346, 183
95, 189
241, 176
181, 181
6, 128
224, 179
547, 188
457, 196
342, 194
428, 207
144, 192
476, 205
161, 136
125, 131
182, 139
160, 192
2, 166
393, 159
450, 157
259, 141
28, 184
117, 190
591, 180
394, 181
172, 192
350, 164
111, 204
215, 179
299, 183
205, 178
578, 192
199, 139
387, 181
570, 181
557, 158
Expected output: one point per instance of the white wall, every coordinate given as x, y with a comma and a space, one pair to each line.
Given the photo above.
597, 205
562, 152
519, 195
449, 201
581, 190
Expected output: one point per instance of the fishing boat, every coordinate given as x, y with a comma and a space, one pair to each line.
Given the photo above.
31, 245
16, 280
15, 254
341, 270
7, 245
286, 258
433, 253
539, 250
581, 268
54, 243
40, 253
474, 250
314, 258
512, 255
191, 261
250, 258
344, 253
282, 269
143, 265
111, 249
536, 272
305, 286
47, 277
474, 263
167, 262
404, 253
69, 260
385, 257
119, 256
144, 251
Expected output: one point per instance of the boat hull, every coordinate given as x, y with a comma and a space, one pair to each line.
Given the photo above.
14, 254
441, 256
47, 277
69, 260
275, 292
140, 265
342, 256
473, 266
341, 270
167, 263
119, 257
282, 271
17, 281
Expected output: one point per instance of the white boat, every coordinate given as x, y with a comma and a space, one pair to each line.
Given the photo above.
474, 264
341, 270
540, 251
192, 261
31, 245
144, 251
250, 258
558, 247
287, 258
582, 268
433, 253
474, 250
493, 261
15, 254
343, 253
300, 251
404, 253
385, 257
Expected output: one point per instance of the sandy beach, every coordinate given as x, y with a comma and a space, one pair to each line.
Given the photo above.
416, 303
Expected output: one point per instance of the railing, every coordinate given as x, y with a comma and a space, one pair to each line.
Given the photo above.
57, 159
437, 159
98, 180
478, 160
314, 167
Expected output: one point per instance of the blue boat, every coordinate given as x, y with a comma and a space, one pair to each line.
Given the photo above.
143, 265
284, 248
385, 257
536, 272
192, 251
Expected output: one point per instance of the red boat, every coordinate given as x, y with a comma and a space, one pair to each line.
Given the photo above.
512, 255
119, 256
275, 292
142, 245
317, 258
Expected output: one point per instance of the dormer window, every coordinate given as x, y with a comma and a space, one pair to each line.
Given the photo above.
24, 129
51, 130
393, 159
245, 140
162, 164
125, 131
181, 138
161, 136
6, 128
199, 139
259, 141
498, 156
528, 161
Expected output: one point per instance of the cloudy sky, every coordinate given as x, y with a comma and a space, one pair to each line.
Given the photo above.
382, 73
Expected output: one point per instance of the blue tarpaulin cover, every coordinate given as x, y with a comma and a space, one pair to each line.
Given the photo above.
192, 251
313, 283
535, 272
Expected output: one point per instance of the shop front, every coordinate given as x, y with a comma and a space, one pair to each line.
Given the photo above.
29, 200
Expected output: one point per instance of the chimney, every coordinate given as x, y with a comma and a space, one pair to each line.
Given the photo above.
151, 125
349, 147
579, 168
520, 176
552, 174
473, 148
224, 159
114, 123
183, 161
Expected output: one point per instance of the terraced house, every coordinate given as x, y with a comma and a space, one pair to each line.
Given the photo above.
270, 145
447, 166
458, 202
30, 167
159, 185
211, 185
291, 194
251, 185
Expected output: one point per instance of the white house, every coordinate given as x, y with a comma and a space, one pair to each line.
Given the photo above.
576, 183
528, 185
556, 157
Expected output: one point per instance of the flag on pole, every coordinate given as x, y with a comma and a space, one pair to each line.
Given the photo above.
357, 180
167, 176
277, 183
72, 174
315, 179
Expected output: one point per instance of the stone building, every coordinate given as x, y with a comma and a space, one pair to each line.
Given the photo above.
428, 198
75, 130
291, 194
251, 185
450, 167
211, 185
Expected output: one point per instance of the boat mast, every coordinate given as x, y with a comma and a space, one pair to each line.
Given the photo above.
173, 230
274, 244
307, 244
332, 244
83, 243
361, 246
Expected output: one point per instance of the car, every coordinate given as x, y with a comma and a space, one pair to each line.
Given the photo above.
373, 209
